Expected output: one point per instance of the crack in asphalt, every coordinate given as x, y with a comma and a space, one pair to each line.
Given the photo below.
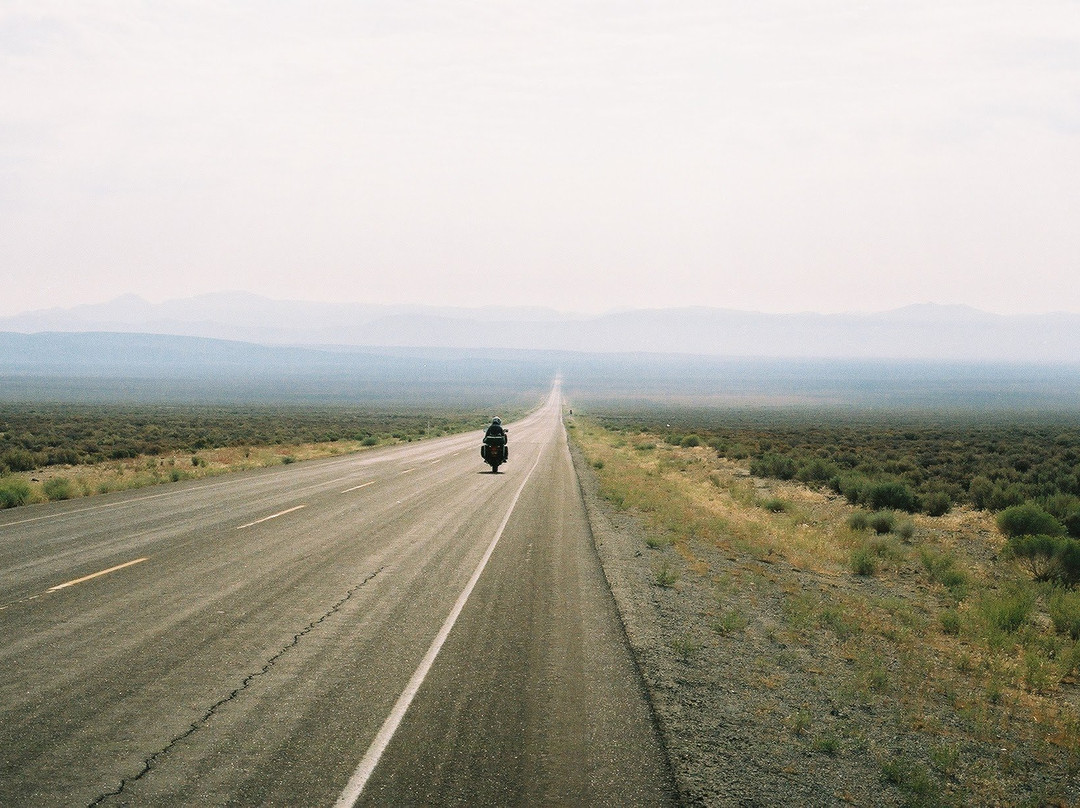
148, 764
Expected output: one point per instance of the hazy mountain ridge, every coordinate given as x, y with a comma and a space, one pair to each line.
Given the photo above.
924, 332
176, 370
110, 366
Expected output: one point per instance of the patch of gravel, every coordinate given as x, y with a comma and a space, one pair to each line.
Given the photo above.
753, 717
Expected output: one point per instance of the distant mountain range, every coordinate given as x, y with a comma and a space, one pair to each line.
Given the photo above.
920, 332
117, 367
109, 367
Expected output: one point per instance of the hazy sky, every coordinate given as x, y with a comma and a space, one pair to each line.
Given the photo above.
776, 155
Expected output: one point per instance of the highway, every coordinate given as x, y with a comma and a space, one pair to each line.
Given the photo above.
397, 627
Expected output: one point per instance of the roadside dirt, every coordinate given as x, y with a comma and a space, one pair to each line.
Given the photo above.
771, 688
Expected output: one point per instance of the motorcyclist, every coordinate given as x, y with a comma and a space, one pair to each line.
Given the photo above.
495, 430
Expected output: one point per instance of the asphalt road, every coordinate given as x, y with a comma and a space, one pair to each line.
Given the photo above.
398, 627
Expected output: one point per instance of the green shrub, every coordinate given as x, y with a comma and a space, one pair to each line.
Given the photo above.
14, 492
885, 548
850, 486
836, 619
58, 488
800, 722
665, 575
370, 440
859, 520
950, 621
955, 580
945, 758
19, 460
1006, 497
980, 490
882, 522
1048, 558
1064, 609
690, 441
863, 561
738, 452
730, 622
685, 647
1009, 610
827, 744
1028, 520
658, 542
773, 465
1061, 505
775, 505
892, 495
912, 778
1072, 524
936, 503
817, 471
942, 568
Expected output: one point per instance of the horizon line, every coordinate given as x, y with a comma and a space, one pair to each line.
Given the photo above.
524, 307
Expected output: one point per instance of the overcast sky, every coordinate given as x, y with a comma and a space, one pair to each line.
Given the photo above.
774, 155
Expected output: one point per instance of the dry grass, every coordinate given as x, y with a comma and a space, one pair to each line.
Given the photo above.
693, 494
122, 475
976, 666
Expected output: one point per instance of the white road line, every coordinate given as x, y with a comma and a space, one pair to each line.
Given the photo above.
273, 516
96, 574
358, 487
362, 461
363, 773
408, 470
335, 480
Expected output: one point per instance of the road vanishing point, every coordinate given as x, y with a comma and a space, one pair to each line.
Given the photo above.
396, 627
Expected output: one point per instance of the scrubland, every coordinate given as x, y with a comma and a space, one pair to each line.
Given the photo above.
801, 647
62, 451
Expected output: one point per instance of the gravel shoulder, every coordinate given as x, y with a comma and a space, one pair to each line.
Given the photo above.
767, 690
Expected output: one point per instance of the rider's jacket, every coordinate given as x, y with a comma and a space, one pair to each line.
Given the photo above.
495, 430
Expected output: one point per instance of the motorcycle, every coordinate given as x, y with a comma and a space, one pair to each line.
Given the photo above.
494, 451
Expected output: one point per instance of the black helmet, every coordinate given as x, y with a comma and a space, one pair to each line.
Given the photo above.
496, 420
